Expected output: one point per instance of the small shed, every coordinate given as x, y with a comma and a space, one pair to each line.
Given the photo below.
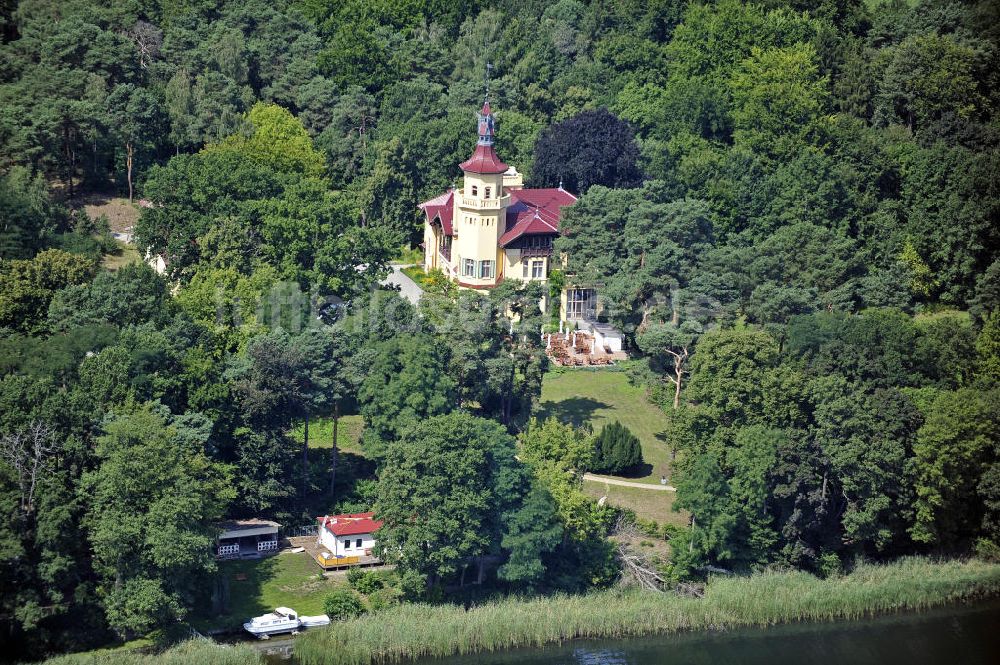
606, 337
246, 539
348, 535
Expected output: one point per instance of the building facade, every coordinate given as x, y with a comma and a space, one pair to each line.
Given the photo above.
348, 535
492, 228
248, 538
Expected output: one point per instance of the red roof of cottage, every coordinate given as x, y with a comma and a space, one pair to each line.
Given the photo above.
442, 208
534, 211
484, 160
350, 525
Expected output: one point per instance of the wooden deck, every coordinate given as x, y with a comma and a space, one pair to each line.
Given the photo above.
315, 550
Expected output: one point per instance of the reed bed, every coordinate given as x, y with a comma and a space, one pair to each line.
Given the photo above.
192, 652
415, 631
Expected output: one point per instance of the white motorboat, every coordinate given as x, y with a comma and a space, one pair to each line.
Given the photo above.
282, 620
311, 622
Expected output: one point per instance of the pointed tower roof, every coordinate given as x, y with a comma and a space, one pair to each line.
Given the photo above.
484, 159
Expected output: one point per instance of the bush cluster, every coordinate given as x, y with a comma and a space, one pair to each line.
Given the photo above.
616, 449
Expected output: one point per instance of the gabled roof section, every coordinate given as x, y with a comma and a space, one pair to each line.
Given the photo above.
549, 197
534, 211
350, 525
441, 208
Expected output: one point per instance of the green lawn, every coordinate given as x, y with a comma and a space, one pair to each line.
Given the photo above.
259, 585
581, 396
126, 254
409, 255
434, 281
321, 433
417, 274
647, 504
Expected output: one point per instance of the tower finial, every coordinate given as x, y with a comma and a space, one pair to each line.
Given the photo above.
486, 124
489, 70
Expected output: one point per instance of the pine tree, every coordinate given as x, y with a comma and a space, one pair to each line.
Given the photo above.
616, 449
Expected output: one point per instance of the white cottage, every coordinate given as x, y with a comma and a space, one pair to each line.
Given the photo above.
348, 535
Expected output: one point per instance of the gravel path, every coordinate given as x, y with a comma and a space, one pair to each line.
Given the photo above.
407, 287
628, 483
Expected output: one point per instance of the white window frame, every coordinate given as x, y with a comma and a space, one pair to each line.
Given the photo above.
469, 268
524, 268
580, 302
475, 190
486, 192
486, 269
537, 269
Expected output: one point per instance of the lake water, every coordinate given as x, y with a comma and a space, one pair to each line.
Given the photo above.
951, 636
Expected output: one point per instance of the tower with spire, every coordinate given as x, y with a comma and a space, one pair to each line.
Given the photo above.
492, 228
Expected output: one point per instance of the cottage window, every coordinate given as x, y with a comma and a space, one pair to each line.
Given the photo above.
357, 543
485, 269
486, 193
524, 269
537, 269
347, 544
470, 268
475, 190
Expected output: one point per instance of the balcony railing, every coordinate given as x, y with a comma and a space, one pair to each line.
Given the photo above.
530, 252
485, 204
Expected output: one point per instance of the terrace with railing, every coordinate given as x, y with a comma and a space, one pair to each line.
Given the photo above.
578, 349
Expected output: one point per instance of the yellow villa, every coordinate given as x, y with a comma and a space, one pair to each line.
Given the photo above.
493, 228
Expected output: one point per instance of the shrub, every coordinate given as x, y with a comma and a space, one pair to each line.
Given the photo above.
353, 575
383, 599
616, 449
343, 604
367, 582
987, 550
828, 565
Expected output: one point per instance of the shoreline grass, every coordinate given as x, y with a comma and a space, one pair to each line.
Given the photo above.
414, 631
191, 652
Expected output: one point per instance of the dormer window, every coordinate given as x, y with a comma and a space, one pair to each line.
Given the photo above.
486, 193
475, 190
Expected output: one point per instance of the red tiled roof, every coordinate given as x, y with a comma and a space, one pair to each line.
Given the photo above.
531, 211
484, 160
544, 198
440, 207
350, 525
534, 211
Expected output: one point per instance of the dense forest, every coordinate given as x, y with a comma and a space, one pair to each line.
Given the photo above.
792, 209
